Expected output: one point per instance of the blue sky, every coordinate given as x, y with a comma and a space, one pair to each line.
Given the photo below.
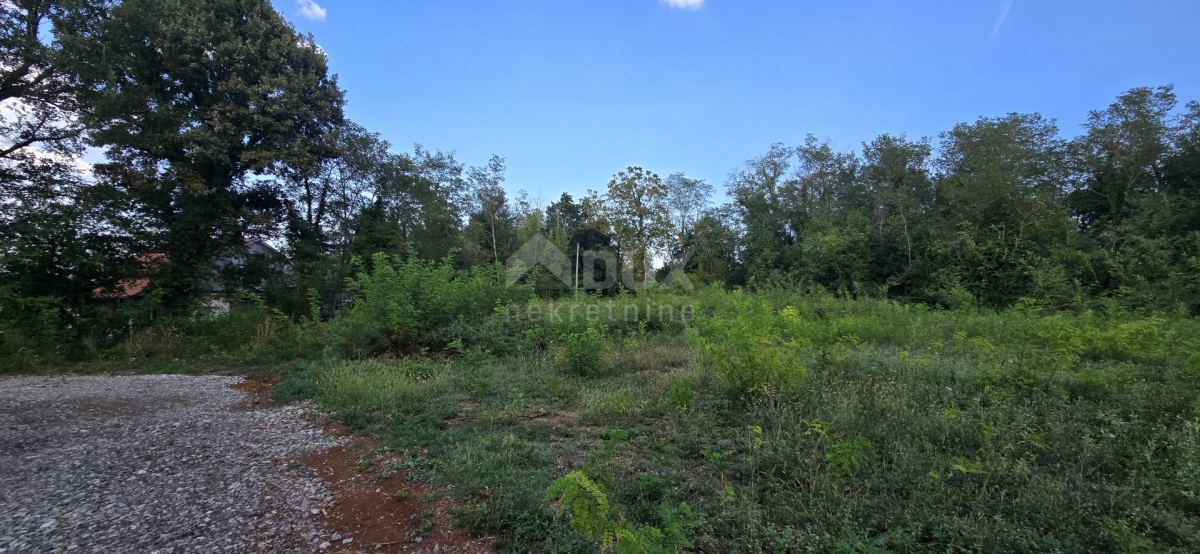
572, 91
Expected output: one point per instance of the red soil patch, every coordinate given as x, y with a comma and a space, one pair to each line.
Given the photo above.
259, 388
364, 479
364, 482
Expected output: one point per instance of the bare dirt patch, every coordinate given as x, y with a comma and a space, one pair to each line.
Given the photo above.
365, 512
378, 508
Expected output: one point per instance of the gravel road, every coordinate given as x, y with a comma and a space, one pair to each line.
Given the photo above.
161, 463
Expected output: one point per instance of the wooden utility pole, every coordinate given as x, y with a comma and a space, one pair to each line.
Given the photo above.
577, 273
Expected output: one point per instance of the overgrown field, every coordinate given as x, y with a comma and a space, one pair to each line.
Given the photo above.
781, 422
716, 421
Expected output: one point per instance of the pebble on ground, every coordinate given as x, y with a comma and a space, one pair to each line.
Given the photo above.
160, 463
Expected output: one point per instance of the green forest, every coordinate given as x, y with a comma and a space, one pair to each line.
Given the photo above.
979, 341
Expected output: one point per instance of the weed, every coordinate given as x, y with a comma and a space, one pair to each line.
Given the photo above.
517, 406
843, 456
594, 517
680, 395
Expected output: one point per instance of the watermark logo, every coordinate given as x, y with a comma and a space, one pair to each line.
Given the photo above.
609, 312
540, 252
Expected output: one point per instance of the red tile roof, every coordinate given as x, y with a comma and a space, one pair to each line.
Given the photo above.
128, 288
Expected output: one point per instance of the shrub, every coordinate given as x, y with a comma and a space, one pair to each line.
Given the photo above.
584, 353
680, 394
753, 346
36, 330
406, 303
594, 517
844, 456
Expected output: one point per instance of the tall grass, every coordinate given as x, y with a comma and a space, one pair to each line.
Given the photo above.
791, 422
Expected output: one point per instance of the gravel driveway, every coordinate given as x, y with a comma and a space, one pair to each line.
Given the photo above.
161, 463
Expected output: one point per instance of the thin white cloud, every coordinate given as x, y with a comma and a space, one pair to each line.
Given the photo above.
1007, 5
312, 10
684, 4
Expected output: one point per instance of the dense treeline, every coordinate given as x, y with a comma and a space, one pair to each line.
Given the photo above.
219, 122
1002, 209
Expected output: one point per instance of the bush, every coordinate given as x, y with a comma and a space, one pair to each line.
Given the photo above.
595, 518
680, 394
584, 353
405, 304
753, 346
38, 330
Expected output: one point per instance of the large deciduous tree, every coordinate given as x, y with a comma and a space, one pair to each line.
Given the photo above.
37, 83
636, 206
896, 171
323, 201
58, 236
1135, 196
492, 225
769, 231
1119, 158
1000, 188
687, 199
194, 103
